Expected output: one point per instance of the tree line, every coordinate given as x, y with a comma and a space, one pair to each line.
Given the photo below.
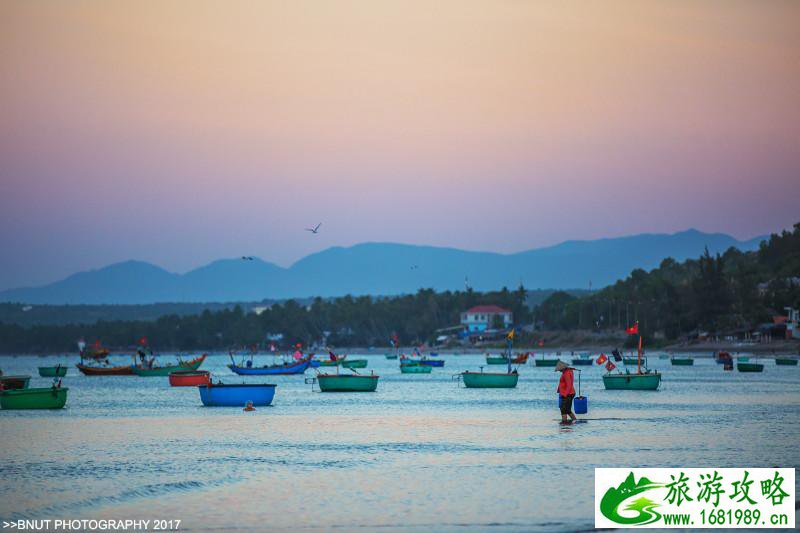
345, 321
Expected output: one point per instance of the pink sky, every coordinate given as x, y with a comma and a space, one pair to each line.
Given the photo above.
180, 132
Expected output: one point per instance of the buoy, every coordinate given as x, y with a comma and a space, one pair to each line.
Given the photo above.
249, 406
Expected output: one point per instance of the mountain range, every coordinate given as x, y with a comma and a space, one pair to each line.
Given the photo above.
379, 269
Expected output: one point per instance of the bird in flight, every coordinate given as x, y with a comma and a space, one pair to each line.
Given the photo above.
314, 230
414, 267
247, 258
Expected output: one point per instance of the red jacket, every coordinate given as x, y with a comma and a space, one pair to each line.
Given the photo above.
566, 385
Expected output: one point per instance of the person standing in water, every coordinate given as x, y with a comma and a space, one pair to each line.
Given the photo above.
566, 390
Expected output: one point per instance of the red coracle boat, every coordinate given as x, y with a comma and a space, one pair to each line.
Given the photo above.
189, 378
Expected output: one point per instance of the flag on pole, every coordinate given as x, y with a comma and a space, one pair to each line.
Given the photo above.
633, 330
143, 341
610, 366
510, 335
602, 359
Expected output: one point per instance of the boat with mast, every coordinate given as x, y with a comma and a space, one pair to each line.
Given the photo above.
647, 380
101, 366
493, 380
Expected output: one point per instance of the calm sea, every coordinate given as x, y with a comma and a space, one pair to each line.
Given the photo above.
422, 453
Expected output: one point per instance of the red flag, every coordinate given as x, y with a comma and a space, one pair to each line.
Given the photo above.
541, 343
143, 341
602, 359
633, 330
97, 344
298, 345
610, 366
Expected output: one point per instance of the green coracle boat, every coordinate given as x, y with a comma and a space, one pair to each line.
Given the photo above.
38, 398
682, 361
14, 382
347, 383
490, 380
785, 361
646, 381
144, 371
58, 371
328, 362
414, 368
545, 362
749, 367
743, 359
496, 360
354, 363
391, 356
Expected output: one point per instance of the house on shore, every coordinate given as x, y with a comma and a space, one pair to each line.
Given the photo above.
486, 317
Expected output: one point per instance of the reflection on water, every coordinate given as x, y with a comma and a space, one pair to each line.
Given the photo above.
421, 453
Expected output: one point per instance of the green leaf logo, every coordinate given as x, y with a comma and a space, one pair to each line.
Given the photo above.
645, 508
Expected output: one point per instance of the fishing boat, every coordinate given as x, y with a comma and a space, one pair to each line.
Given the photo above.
329, 362
347, 382
742, 359
545, 362
415, 368
628, 381
663, 356
431, 362
189, 378
634, 361
391, 356
14, 382
94, 370
520, 359
36, 398
682, 361
152, 371
785, 361
582, 361
354, 363
647, 380
236, 395
749, 367
291, 367
494, 380
58, 371
490, 380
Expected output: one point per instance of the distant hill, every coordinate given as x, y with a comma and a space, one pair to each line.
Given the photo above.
379, 269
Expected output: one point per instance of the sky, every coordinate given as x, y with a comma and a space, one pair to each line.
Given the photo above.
179, 132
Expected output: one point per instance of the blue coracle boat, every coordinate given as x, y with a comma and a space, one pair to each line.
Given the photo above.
224, 395
432, 362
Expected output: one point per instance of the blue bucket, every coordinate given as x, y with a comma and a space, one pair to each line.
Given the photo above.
580, 405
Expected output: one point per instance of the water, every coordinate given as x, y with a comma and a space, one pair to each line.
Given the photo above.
420, 454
